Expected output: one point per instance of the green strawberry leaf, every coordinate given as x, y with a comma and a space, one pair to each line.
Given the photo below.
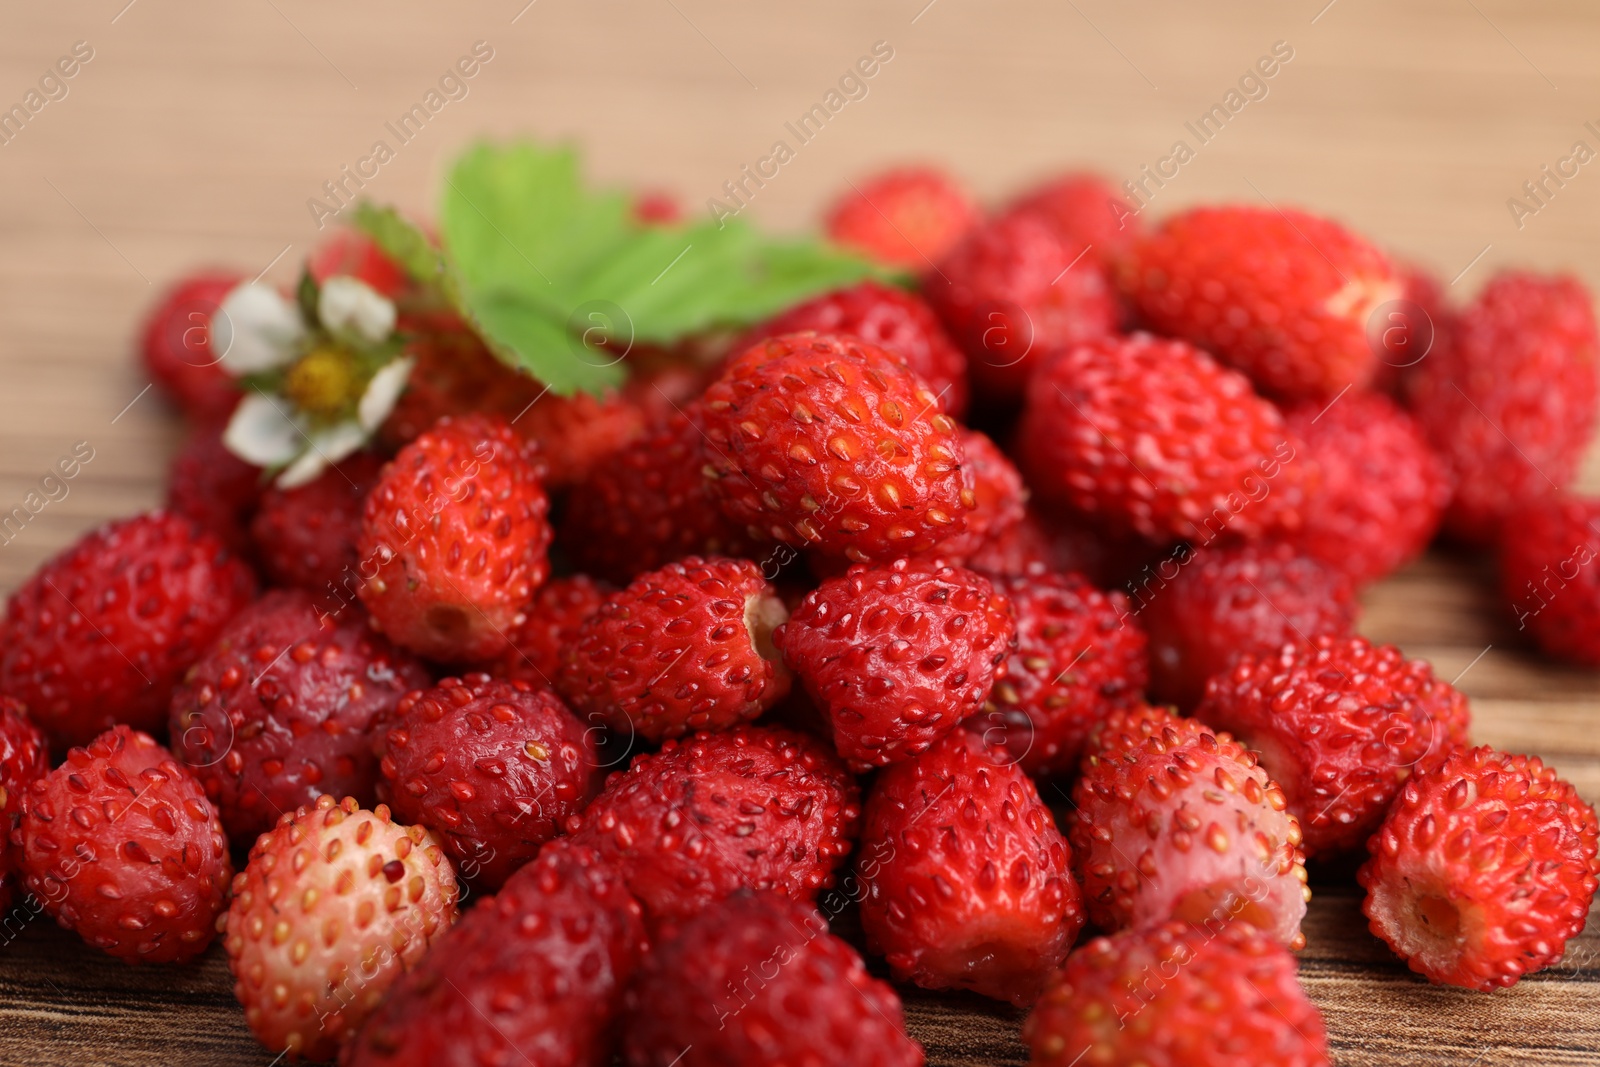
560, 279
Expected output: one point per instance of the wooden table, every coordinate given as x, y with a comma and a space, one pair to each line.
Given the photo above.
197, 134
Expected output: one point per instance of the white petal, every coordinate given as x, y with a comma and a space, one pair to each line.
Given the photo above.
348, 304
327, 446
262, 432
255, 329
382, 392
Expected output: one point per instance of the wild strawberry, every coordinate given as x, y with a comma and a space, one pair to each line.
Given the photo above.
1176, 995
897, 656
1340, 725
23, 757
1079, 655
1042, 542
306, 537
457, 531
1153, 435
1015, 290
352, 253
102, 632
1173, 820
536, 971
1085, 211
1204, 607
750, 807
578, 434
277, 712
998, 498
1546, 578
1383, 490
966, 879
1510, 402
1282, 295
455, 375
905, 217
684, 648
899, 322
1419, 325
830, 443
175, 342
120, 844
215, 488
649, 505
334, 904
657, 207
1483, 870
559, 608
493, 767
759, 981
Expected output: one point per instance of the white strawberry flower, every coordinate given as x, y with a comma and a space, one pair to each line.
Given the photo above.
320, 389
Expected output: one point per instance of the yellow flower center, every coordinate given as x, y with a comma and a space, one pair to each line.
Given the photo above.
325, 381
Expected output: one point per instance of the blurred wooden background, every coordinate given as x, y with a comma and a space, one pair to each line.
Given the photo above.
197, 133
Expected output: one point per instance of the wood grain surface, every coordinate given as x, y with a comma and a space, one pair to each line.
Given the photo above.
198, 133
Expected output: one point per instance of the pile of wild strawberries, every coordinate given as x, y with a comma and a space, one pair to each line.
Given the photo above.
835, 646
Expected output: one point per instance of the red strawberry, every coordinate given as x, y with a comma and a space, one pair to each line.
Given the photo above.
215, 488
455, 374
1510, 402
1175, 820
1411, 329
121, 845
175, 342
684, 648
1281, 294
102, 632
558, 610
649, 505
1153, 435
1176, 995
899, 322
1043, 542
493, 767
657, 207
1483, 870
759, 981
1204, 607
578, 434
1014, 291
906, 217
1085, 210
1383, 489
278, 711
306, 537
965, 876
335, 903
1546, 577
1079, 656
352, 253
457, 532
830, 443
897, 656
534, 975
1340, 725
998, 498
23, 757
750, 807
